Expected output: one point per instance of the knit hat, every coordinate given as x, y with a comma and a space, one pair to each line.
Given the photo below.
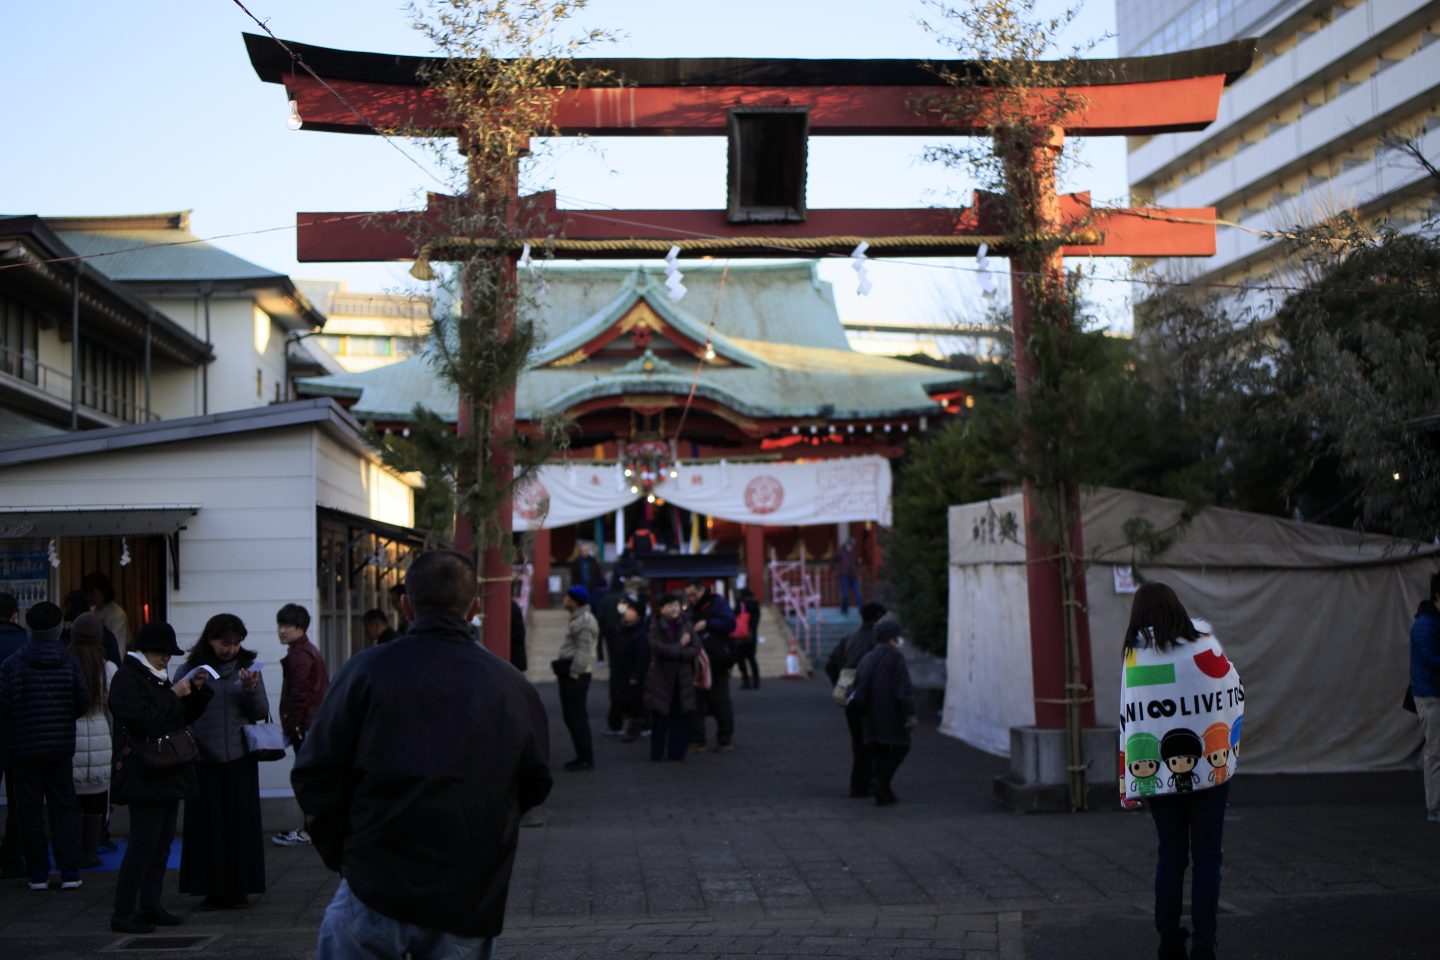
871, 612
45, 621
87, 628
157, 638
579, 594
886, 630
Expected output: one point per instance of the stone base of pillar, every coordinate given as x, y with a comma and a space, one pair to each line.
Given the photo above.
1037, 781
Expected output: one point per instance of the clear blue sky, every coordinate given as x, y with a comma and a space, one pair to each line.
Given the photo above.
151, 105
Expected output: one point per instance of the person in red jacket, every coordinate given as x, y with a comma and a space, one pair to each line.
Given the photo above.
304, 686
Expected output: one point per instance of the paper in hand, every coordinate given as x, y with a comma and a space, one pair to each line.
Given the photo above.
203, 668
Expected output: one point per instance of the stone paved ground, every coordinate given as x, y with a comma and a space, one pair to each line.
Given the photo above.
760, 853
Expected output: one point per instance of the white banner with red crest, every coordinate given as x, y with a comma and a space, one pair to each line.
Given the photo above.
816, 492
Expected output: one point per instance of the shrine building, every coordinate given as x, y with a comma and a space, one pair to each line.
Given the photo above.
785, 443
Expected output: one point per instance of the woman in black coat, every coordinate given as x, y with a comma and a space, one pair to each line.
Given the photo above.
145, 705
670, 680
883, 693
223, 856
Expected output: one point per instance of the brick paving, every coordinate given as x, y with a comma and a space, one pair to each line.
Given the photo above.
760, 853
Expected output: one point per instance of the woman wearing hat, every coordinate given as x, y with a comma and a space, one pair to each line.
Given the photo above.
223, 856
92, 733
145, 705
883, 694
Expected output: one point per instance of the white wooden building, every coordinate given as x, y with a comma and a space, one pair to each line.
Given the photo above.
238, 512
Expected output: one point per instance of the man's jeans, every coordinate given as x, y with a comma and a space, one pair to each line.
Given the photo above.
850, 593
1189, 826
353, 931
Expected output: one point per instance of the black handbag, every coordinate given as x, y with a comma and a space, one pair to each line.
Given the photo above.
166, 754
561, 667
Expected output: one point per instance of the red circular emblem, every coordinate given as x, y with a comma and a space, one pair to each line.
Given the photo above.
764, 495
532, 501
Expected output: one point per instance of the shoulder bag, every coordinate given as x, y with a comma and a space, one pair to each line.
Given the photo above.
265, 740
165, 754
703, 677
841, 693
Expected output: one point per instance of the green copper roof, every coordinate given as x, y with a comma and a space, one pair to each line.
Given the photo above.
777, 325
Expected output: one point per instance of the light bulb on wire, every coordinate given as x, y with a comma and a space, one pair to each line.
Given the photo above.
293, 121
709, 351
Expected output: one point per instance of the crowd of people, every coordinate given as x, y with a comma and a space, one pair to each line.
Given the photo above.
670, 666
87, 727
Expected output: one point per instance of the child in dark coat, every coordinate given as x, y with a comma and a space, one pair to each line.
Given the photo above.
883, 692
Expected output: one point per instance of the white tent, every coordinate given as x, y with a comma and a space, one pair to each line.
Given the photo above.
1316, 618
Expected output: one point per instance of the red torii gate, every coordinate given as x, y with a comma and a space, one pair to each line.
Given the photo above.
699, 97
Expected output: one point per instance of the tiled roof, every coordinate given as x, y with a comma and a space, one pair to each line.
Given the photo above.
777, 324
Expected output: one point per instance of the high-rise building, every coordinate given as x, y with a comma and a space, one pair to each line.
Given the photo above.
1309, 131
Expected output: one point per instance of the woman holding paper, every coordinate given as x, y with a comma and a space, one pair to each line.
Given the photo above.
148, 708
223, 856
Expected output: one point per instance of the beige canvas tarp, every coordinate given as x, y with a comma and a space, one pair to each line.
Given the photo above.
1316, 618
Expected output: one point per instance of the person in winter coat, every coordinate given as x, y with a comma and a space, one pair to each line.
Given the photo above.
574, 662
714, 623
414, 778
223, 856
93, 747
146, 707
117, 622
629, 660
12, 638
886, 701
1425, 688
847, 570
42, 694
303, 685
87, 600
846, 657
670, 680
746, 638
1169, 656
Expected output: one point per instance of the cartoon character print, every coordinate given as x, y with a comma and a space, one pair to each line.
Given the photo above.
1181, 750
1217, 752
1235, 738
1142, 754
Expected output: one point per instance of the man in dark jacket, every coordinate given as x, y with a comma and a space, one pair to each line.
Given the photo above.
886, 699
12, 638
847, 656
714, 623
629, 661
42, 694
414, 777
1425, 687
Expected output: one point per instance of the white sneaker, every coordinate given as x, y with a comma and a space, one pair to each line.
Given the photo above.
70, 884
292, 838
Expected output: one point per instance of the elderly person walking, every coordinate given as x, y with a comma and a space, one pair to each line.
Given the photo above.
670, 680
223, 856
572, 671
149, 709
93, 745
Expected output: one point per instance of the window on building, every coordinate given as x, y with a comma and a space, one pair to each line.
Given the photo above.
19, 340
107, 380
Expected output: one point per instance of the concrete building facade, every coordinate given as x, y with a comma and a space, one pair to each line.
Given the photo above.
1308, 132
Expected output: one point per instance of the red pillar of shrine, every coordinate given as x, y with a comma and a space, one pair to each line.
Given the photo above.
1044, 574
540, 586
755, 560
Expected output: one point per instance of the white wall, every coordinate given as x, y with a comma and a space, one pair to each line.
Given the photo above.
248, 551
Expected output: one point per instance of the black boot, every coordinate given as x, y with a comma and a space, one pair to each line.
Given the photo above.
1202, 951
1172, 946
90, 825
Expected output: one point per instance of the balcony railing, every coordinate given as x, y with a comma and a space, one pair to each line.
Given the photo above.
16, 365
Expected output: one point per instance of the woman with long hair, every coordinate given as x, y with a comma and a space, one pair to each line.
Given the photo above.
223, 855
1181, 706
92, 733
